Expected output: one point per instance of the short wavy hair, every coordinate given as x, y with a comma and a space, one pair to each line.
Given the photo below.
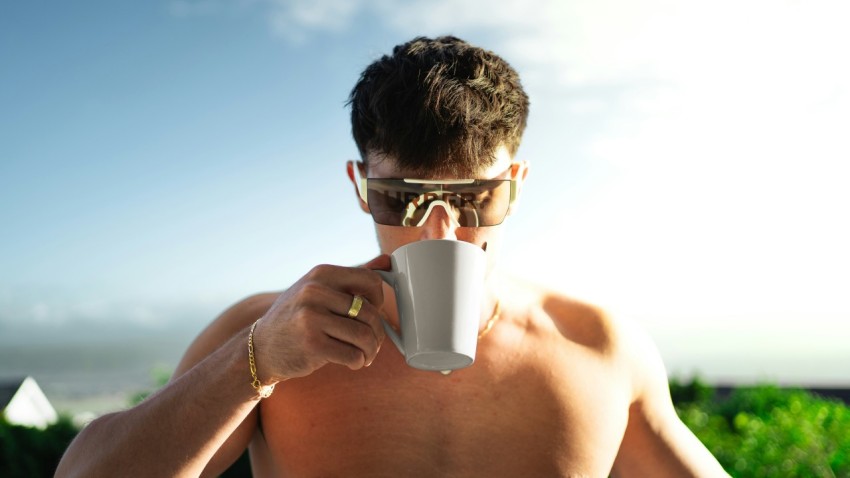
439, 106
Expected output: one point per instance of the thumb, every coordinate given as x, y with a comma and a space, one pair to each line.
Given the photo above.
382, 262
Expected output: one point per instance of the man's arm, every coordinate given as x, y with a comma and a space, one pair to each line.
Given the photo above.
656, 442
206, 415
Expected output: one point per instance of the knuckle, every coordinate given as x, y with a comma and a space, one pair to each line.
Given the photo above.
354, 358
302, 320
299, 321
376, 282
309, 291
364, 334
313, 340
376, 323
374, 288
380, 333
372, 350
321, 270
370, 342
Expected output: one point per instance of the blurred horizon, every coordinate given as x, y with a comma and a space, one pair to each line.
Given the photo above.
689, 166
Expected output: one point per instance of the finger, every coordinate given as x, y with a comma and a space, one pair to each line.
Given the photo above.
342, 303
343, 353
355, 333
354, 280
368, 314
382, 263
335, 304
371, 316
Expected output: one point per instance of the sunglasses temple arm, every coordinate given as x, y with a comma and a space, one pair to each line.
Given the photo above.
362, 190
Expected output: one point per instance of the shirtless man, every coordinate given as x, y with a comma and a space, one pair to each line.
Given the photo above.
559, 387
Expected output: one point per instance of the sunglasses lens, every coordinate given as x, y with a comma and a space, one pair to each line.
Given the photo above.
396, 202
387, 200
486, 201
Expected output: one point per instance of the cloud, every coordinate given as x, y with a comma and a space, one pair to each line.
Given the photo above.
294, 20
195, 8
761, 48
40, 312
48, 307
297, 19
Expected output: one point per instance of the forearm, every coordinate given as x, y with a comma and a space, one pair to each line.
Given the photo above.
174, 432
662, 448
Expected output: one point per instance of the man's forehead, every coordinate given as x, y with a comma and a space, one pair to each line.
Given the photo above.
385, 166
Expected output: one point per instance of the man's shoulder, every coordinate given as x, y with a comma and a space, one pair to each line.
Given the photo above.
230, 322
613, 335
582, 321
556, 311
244, 312
252, 306
238, 316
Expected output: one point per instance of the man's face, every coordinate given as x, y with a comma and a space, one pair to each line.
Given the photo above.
438, 222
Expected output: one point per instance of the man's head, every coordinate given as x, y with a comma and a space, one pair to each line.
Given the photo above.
438, 107
433, 116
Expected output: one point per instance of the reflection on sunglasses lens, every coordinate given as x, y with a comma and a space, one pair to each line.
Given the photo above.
398, 202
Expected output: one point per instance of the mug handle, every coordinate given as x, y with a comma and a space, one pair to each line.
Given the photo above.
389, 278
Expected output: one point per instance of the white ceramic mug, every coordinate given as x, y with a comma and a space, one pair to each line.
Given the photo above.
439, 286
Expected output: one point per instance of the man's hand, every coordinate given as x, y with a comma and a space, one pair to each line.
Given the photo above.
308, 325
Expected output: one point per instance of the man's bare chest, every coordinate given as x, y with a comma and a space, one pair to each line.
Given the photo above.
502, 416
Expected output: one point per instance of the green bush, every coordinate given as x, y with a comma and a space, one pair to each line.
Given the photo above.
765, 431
761, 431
29, 452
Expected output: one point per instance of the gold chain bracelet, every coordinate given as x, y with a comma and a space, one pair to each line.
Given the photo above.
265, 391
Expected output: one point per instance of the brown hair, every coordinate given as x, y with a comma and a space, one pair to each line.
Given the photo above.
438, 106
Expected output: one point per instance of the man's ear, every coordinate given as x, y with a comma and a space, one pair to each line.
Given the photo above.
519, 171
525, 166
355, 181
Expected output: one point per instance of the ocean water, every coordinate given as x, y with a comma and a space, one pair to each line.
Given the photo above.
94, 376
82, 372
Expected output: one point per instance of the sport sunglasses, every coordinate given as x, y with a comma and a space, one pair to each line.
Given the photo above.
468, 202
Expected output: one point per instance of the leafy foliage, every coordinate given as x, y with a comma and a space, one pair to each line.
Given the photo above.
160, 376
765, 431
761, 431
30, 452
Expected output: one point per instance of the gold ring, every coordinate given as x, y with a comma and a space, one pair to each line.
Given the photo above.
356, 304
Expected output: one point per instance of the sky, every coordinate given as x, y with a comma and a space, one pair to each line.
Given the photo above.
161, 160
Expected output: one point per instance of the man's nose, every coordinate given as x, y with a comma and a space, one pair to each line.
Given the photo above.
439, 223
